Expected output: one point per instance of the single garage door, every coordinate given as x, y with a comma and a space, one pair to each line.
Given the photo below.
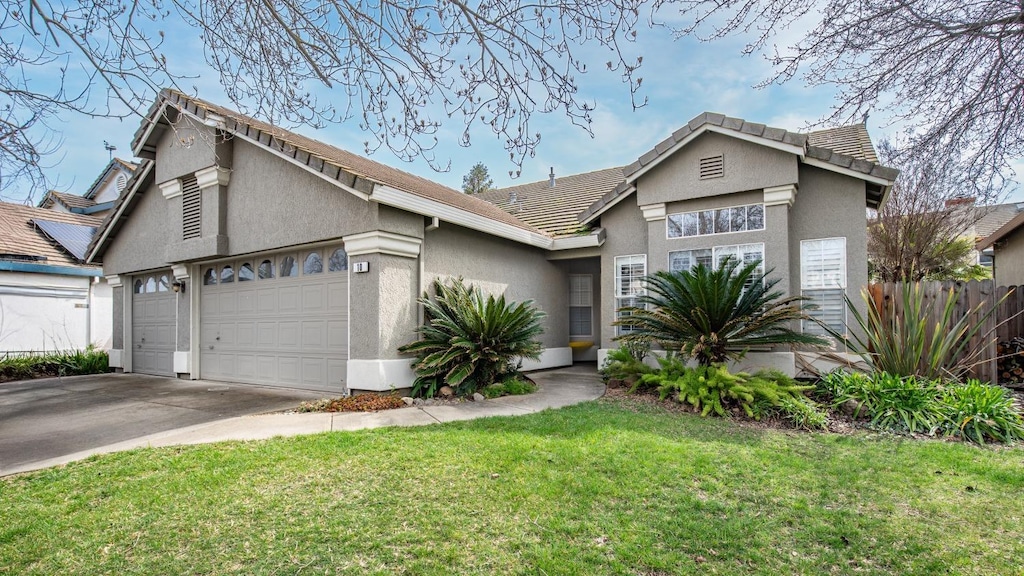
153, 321
278, 319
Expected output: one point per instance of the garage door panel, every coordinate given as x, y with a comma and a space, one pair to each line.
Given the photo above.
290, 331
288, 299
153, 328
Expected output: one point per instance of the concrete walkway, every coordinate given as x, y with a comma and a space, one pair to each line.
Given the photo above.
556, 388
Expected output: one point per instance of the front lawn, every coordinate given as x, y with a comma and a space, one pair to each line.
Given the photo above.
607, 487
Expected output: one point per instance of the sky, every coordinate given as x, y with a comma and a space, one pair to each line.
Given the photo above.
682, 78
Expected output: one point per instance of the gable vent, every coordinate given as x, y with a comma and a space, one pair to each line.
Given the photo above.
712, 167
191, 208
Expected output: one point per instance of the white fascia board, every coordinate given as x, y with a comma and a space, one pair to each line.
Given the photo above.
608, 206
594, 239
389, 196
120, 211
847, 172
790, 148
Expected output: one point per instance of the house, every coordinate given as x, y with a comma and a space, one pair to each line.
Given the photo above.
50, 298
101, 195
1007, 246
988, 219
240, 251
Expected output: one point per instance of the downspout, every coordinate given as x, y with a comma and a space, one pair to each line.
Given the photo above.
88, 312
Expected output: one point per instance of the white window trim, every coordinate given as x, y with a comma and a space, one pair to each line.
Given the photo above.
670, 252
615, 278
843, 285
590, 280
764, 221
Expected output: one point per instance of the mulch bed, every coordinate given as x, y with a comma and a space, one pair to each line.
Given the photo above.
360, 403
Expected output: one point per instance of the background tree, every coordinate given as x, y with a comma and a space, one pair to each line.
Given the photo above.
921, 232
488, 63
950, 72
477, 180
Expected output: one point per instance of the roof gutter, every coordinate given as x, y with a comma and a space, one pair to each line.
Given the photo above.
7, 266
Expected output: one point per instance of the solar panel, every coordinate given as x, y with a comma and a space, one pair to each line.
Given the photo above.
74, 238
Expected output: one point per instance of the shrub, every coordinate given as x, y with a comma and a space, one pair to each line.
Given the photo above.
470, 340
891, 402
976, 411
50, 364
921, 341
622, 364
511, 386
713, 315
714, 390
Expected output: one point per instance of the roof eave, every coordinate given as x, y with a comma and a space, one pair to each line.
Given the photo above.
1003, 231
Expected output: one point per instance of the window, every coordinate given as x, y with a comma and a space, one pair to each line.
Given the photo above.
288, 267
686, 259
823, 280
138, 287
227, 275
744, 254
313, 264
629, 273
150, 285
209, 277
718, 221
163, 285
338, 261
581, 305
245, 273
266, 270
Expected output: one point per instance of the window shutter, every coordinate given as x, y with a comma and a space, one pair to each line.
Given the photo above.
191, 208
712, 167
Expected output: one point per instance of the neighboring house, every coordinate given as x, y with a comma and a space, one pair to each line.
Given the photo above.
50, 299
101, 195
988, 220
244, 252
1007, 246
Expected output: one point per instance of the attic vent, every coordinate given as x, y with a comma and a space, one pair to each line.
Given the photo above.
712, 167
122, 180
191, 208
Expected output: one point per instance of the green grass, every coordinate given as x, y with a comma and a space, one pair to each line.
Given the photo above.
607, 487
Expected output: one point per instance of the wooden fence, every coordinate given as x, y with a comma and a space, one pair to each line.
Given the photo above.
974, 298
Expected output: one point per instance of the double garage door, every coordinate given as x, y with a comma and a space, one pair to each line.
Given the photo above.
278, 319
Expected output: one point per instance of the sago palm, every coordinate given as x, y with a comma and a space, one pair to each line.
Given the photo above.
469, 340
714, 315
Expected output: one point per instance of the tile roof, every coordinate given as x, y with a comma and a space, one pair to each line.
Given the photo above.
335, 163
992, 218
852, 141
68, 200
553, 209
1003, 231
93, 188
19, 236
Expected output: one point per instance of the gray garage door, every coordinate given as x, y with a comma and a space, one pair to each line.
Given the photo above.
279, 319
153, 320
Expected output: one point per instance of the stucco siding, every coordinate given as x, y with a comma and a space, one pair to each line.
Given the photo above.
830, 205
139, 244
1009, 260
627, 234
502, 267
748, 166
185, 147
117, 318
273, 203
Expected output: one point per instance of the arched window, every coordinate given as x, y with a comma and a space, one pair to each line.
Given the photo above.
227, 274
245, 272
338, 261
209, 277
266, 270
138, 287
150, 285
163, 285
313, 264
288, 267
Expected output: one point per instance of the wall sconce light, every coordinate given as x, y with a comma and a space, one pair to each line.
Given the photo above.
178, 286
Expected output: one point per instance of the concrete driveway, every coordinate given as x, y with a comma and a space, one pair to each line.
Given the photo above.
43, 419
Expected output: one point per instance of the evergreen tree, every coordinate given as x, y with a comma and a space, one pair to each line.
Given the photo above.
477, 180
